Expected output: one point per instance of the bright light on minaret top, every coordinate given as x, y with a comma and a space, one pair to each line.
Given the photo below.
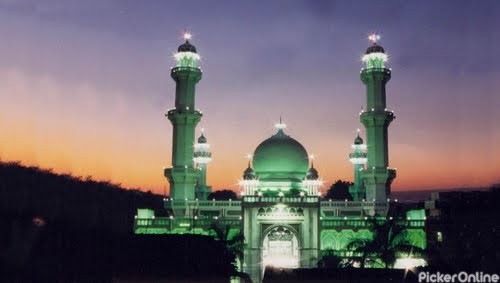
374, 57
374, 37
280, 125
186, 54
187, 36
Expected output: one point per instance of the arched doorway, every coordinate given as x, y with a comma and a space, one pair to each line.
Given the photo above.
280, 248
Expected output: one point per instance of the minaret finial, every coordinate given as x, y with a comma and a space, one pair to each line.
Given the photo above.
280, 125
311, 157
187, 36
374, 38
249, 157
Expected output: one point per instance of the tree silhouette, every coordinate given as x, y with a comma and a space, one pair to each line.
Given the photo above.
339, 191
62, 228
390, 238
222, 195
234, 243
330, 260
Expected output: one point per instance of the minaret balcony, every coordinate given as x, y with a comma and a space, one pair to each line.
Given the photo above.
202, 160
186, 68
184, 116
358, 160
377, 118
205, 154
378, 174
186, 73
357, 155
375, 74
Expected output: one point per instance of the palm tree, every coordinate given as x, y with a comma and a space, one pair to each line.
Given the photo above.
390, 238
235, 243
363, 249
330, 259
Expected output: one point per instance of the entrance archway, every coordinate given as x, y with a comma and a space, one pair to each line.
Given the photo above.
280, 248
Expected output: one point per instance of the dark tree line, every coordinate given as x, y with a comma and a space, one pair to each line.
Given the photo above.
223, 195
62, 228
339, 191
62, 197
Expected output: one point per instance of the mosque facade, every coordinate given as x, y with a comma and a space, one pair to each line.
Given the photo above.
281, 213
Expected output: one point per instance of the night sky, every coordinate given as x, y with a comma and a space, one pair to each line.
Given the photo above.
84, 85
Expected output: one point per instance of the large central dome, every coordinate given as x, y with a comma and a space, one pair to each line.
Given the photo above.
280, 157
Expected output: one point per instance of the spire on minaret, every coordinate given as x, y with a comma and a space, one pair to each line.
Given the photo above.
374, 56
358, 139
280, 125
312, 173
186, 55
373, 37
249, 174
249, 157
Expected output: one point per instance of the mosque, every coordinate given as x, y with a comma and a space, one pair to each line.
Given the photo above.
281, 213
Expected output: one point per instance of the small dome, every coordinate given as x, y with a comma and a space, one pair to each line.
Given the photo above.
280, 157
312, 174
358, 140
202, 139
187, 47
249, 174
375, 48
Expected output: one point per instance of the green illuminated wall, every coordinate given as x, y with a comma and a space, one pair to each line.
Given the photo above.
338, 240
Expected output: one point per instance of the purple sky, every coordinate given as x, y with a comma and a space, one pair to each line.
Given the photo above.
84, 85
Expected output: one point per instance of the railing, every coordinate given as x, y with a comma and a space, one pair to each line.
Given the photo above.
361, 204
380, 170
236, 204
202, 154
186, 68
357, 155
203, 204
267, 199
376, 70
183, 111
173, 223
387, 113
356, 223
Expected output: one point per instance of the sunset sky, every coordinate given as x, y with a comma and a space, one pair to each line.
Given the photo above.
84, 85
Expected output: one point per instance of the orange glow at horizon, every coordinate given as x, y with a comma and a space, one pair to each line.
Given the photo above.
76, 129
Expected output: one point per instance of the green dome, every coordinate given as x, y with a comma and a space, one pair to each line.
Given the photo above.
280, 157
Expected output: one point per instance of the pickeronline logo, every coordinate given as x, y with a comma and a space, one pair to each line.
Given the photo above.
438, 277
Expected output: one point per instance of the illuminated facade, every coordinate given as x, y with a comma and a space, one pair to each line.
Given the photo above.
281, 213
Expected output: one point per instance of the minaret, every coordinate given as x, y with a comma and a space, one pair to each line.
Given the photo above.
377, 176
202, 156
358, 158
184, 117
312, 183
249, 182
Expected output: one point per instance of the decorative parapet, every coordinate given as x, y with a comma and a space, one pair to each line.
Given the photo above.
176, 225
365, 223
203, 204
280, 199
